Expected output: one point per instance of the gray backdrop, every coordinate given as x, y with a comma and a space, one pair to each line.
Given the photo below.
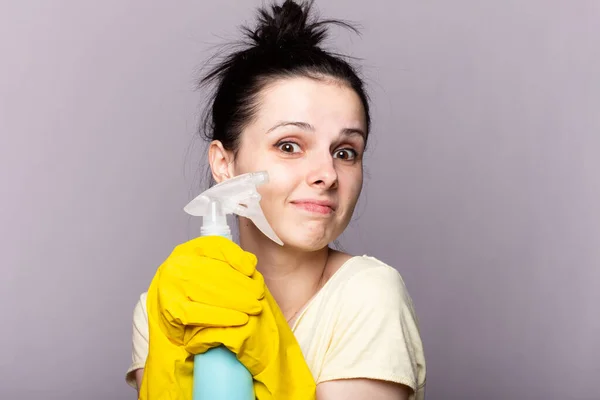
482, 185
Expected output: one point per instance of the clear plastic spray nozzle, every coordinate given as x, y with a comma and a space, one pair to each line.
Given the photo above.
234, 196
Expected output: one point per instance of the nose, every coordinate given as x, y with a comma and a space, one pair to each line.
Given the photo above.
323, 174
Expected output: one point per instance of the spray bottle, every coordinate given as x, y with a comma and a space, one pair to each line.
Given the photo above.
218, 374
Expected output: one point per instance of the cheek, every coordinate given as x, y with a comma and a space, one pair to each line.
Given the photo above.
254, 157
353, 187
243, 164
283, 178
283, 175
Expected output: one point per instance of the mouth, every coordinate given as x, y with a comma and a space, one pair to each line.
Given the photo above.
323, 207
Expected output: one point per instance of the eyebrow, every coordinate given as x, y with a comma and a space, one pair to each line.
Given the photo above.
308, 127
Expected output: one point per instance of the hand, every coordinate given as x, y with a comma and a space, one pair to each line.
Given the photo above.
268, 349
207, 282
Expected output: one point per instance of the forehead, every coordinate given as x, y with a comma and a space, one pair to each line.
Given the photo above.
319, 102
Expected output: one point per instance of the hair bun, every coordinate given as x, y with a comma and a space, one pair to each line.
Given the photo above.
287, 26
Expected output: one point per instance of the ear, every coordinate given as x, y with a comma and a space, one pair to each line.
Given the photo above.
221, 161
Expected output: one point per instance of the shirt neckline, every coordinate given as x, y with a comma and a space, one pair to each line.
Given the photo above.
335, 275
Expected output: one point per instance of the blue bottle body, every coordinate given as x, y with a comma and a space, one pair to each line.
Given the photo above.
218, 374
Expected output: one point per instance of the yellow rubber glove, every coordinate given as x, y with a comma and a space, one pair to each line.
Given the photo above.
268, 348
233, 308
203, 283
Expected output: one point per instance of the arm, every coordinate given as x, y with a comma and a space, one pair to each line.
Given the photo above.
350, 389
139, 373
139, 344
362, 389
376, 350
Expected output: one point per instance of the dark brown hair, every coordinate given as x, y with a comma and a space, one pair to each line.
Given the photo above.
285, 43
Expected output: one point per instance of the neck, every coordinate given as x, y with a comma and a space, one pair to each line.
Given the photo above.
293, 276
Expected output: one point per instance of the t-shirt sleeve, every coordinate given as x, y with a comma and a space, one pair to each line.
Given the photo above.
139, 337
376, 334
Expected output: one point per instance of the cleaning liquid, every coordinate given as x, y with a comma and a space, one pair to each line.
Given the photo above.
218, 374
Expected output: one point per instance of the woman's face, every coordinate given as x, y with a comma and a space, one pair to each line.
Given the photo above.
309, 135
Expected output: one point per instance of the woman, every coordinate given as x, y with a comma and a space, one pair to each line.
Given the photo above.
285, 106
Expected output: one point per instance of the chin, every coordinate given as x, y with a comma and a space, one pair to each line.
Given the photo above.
305, 246
305, 239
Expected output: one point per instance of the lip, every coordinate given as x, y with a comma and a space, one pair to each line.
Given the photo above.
315, 205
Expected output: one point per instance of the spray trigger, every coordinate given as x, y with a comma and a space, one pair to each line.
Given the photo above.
238, 196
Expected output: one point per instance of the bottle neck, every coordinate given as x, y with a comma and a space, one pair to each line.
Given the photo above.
214, 223
216, 230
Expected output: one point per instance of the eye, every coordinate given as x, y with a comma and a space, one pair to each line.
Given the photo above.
345, 154
288, 147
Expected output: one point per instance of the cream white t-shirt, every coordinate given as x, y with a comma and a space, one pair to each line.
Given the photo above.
361, 324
